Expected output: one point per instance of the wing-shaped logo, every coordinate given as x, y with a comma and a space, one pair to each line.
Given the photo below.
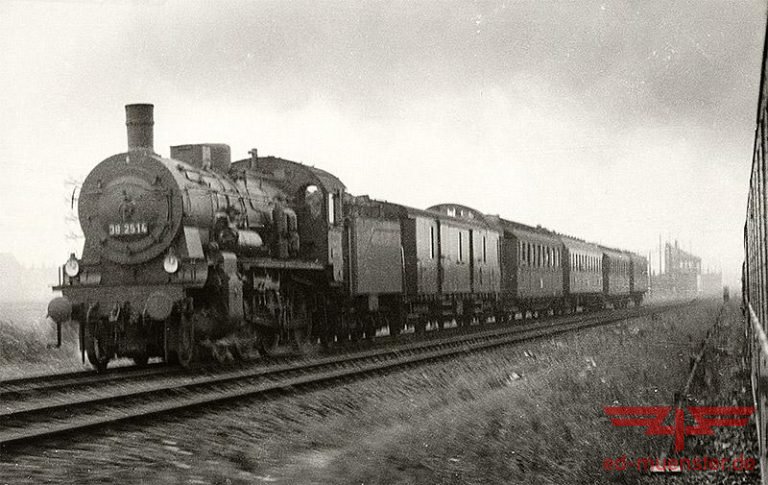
653, 418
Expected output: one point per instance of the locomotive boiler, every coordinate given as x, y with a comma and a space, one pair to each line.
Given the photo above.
190, 252
195, 256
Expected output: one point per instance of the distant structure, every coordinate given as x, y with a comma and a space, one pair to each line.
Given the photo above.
680, 274
712, 283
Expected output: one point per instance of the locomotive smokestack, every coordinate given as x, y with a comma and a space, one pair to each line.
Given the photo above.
139, 121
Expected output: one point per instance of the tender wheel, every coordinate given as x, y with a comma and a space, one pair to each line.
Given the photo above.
370, 327
221, 353
186, 344
244, 349
268, 341
96, 355
394, 324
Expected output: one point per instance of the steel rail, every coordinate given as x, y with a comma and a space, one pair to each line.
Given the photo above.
43, 421
48, 382
69, 384
37, 384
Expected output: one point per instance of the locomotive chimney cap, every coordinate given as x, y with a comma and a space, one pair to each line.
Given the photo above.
139, 121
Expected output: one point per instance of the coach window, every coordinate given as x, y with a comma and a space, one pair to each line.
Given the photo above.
461, 248
485, 255
431, 242
331, 208
313, 198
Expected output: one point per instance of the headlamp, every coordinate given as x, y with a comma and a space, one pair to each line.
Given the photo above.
72, 267
170, 262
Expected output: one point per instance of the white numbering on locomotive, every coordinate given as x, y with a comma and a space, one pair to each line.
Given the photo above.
128, 229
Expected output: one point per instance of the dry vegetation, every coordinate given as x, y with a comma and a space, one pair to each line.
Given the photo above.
525, 414
25, 339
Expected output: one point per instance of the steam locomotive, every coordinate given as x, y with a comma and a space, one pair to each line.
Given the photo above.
194, 256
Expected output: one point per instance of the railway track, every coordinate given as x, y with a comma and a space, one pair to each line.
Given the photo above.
68, 381
33, 419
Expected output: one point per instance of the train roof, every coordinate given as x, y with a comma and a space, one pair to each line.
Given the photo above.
615, 253
274, 165
573, 243
460, 212
518, 229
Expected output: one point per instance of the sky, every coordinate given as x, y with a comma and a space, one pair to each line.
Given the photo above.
614, 121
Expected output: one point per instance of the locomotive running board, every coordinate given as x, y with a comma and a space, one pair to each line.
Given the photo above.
278, 264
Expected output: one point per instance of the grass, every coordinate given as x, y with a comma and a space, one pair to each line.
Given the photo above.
26, 337
530, 413
538, 419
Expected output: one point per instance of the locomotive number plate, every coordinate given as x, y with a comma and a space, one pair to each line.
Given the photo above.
128, 229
